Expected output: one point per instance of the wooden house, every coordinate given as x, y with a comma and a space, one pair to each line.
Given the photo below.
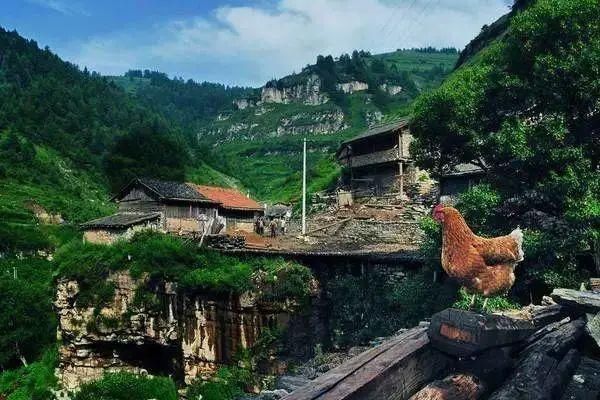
460, 179
237, 210
378, 160
172, 207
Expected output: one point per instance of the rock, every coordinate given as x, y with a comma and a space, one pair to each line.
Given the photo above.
580, 301
592, 327
585, 384
291, 382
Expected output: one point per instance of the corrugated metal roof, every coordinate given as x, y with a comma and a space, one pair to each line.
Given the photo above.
228, 198
378, 130
120, 220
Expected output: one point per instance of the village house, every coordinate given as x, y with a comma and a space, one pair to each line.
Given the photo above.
378, 160
239, 211
460, 179
173, 207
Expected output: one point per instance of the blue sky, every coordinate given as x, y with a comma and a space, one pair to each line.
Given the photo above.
234, 41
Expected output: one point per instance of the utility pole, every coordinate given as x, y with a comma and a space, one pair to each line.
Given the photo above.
304, 190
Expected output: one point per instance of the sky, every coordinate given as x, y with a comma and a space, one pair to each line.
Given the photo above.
238, 42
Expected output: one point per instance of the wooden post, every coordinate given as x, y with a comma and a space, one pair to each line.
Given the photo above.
401, 168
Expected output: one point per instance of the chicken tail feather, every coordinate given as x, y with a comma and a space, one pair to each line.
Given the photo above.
517, 235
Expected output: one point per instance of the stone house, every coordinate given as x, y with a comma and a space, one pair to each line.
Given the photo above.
378, 160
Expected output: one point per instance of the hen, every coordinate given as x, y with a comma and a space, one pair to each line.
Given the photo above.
481, 265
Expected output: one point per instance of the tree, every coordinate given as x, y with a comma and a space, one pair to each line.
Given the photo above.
147, 151
526, 109
27, 324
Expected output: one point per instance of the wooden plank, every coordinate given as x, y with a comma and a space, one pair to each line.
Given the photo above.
326, 381
397, 368
583, 302
455, 387
464, 333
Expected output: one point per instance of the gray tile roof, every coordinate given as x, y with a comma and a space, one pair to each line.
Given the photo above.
172, 190
464, 169
120, 220
378, 130
166, 190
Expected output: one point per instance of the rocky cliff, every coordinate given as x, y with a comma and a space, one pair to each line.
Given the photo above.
157, 328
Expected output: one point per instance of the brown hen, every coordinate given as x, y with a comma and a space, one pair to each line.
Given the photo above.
481, 265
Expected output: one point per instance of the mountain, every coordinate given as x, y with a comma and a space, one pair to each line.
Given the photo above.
255, 134
58, 128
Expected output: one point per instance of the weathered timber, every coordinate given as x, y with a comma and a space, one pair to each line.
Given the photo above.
557, 342
595, 285
464, 333
545, 366
593, 327
544, 315
394, 370
585, 383
492, 366
455, 387
538, 377
580, 301
537, 335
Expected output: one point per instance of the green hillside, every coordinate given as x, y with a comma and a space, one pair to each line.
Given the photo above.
260, 145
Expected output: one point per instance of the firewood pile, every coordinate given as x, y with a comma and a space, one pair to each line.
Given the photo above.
548, 352
542, 352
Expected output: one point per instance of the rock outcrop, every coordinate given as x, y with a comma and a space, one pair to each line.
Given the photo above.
308, 93
153, 327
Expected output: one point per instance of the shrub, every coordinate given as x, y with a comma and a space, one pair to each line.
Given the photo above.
32, 382
164, 257
128, 386
227, 384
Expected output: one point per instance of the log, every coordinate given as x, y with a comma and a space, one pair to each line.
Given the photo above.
577, 300
455, 387
544, 367
585, 383
465, 333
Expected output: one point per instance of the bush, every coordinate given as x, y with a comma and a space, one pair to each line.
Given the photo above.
228, 383
164, 257
128, 386
32, 382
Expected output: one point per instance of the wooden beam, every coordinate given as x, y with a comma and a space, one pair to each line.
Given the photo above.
464, 333
394, 370
455, 387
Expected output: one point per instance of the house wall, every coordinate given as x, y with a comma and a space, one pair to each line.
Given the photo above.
242, 220
137, 200
109, 236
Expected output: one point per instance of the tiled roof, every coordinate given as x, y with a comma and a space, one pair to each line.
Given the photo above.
228, 198
166, 190
379, 129
464, 169
120, 220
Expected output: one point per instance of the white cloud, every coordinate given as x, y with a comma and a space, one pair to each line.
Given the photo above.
249, 45
67, 7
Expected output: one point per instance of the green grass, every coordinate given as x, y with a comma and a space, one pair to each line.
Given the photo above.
204, 174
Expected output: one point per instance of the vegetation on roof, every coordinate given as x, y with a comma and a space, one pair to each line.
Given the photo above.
164, 257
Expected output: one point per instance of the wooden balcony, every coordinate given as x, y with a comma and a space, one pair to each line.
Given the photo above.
378, 157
